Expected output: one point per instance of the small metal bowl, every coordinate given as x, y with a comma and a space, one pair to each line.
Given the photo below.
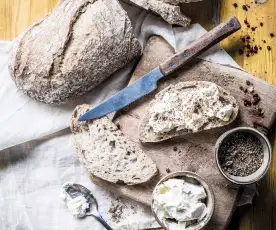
260, 173
210, 203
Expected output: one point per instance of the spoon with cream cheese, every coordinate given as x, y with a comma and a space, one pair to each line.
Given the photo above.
81, 202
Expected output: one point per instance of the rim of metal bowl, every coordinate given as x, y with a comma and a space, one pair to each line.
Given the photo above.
208, 189
235, 179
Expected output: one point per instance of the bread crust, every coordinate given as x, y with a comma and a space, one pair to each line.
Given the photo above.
107, 153
169, 10
72, 50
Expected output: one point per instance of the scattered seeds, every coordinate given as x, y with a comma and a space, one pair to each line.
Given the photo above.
256, 99
244, 7
247, 103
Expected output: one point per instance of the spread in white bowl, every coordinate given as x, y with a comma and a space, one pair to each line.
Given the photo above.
179, 203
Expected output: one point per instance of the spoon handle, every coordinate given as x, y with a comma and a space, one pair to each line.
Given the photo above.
102, 221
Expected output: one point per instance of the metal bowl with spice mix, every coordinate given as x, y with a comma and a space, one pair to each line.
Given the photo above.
243, 155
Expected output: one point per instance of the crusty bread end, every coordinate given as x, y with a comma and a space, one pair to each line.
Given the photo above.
107, 153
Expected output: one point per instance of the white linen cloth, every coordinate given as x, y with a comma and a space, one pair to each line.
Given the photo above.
34, 167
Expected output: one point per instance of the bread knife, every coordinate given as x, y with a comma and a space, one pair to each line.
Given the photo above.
148, 83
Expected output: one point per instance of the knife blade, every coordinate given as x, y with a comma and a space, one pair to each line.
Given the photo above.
148, 83
123, 98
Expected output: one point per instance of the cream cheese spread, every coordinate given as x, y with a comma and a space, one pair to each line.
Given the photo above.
189, 109
78, 205
178, 203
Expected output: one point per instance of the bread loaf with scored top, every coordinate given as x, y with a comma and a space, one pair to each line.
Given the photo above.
72, 50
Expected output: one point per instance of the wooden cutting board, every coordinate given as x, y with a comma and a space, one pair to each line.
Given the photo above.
194, 152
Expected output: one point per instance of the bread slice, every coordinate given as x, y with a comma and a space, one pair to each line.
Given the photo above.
147, 133
107, 153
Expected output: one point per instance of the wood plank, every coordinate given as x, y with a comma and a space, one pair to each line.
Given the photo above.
261, 64
261, 214
18, 15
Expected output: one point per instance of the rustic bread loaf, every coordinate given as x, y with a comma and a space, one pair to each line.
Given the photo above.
73, 49
107, 153
169, 10
187, 107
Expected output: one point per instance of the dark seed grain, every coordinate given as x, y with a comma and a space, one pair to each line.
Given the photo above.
244, 7
241, 154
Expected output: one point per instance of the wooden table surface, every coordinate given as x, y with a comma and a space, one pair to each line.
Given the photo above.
17, 15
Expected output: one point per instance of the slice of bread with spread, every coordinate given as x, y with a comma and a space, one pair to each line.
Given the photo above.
187, 107
107, 153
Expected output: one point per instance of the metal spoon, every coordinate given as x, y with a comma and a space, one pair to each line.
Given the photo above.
76, 190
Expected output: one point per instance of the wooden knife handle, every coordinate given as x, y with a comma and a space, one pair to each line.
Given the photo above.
205, 42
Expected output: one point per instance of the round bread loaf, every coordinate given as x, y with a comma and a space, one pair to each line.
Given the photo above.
73, 49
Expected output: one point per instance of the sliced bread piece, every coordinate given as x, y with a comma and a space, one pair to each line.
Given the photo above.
107, 153
187, 107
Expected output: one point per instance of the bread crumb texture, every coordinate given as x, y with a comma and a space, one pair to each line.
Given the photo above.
107, 153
